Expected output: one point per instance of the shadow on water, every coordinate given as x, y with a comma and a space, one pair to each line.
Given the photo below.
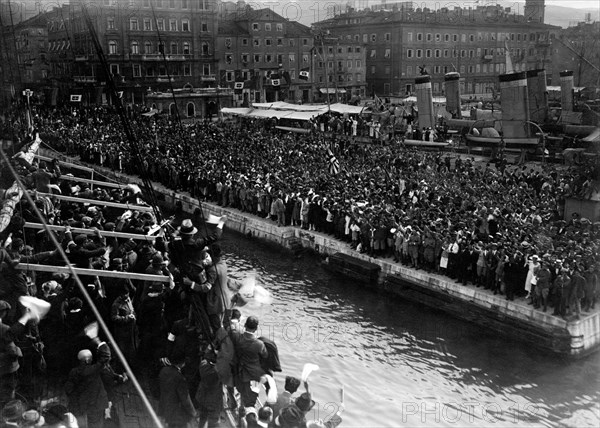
401, 363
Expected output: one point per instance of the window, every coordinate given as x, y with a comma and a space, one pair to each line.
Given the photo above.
279, 59
419, 37
388, 53
388, 37
438, 53
245, 58
429, 37
292, 57
148, 48
330, 64
160, 23
349, 63
455, 37
365, 38
173, 25
244, 42
436, 69
357, 49
268, 58
228, 58
110, 24
419, 53
174, 48
114, 69
185, 25
149, 71
428, 53
358, 77
147, 24
268, 42
268, 26
279, 41
305, 58
187, 70
133, 24
463, 38
373, 69
409, 53
256, 42
438, 37
373, 37
409, 36
304, 42
135, 49
340, 65
358, 63
206, 69
471, 53
340, 50
186, 48
255, 26
330, 50
137, 70
229, 75
292, 42
512, 36
471, 38
257, 57
279, 27
446, 53
112, 47
357, 37
409, 70
463, 53
320, 64
387, 69
205, 48
373, 53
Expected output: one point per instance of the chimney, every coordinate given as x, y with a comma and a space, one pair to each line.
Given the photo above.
566, 90
538, 95
424, 101
452, 90
515, 104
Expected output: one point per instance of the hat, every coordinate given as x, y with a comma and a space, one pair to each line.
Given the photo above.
187, 228
4, 305
55, 414
157, 260
213, 219
32, 418
80, 240
13, 411
535, 257
289, 415
84, 354
305, 402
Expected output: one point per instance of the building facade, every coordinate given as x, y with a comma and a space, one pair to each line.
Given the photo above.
405, 42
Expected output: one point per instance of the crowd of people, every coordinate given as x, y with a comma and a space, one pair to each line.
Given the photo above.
181, 330
499, 228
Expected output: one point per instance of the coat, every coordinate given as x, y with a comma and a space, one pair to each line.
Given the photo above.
175, 404
249, 350
85, 389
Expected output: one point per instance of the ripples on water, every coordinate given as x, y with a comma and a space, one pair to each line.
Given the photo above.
402, 364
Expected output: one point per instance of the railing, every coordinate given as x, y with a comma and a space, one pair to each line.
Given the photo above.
84, 79
159, 57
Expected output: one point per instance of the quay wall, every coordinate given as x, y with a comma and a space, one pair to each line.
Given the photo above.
515, 319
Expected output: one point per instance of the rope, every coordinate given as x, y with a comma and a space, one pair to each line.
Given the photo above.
85, 294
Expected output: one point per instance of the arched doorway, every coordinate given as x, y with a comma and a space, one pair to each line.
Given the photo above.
211, 109
191, 110
154, 106
172, 109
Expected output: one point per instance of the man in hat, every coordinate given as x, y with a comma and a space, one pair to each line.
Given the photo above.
290, 417
249, 350
123, 318
175, 404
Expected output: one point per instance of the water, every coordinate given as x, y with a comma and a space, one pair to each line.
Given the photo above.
402, 364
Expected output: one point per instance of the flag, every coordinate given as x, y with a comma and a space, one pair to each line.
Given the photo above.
304, 74
238, 85
75, 98
334, 164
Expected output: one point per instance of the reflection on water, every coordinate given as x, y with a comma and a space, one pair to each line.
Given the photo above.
402, 364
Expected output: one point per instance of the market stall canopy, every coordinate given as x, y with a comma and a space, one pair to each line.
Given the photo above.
150, 113
346, 108
280, 105
236, 110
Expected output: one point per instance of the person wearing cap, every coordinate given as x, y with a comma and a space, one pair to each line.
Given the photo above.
249, 351
560, 290
123, 317
175, 404
84, 387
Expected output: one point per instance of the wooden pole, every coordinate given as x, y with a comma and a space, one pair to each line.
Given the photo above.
68, 164
79, 231
91, 181
92, 272
98, 202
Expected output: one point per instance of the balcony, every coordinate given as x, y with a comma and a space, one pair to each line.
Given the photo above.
84, 79
83, 58
159, 57
208, 77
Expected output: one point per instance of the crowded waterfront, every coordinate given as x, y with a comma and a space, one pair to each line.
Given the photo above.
494, 227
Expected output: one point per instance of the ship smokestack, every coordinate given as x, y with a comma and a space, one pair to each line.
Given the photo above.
515, 104
424, 101
566, 90
452, 90
538, 95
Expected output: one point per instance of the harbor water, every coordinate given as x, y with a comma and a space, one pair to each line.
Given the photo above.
398, 364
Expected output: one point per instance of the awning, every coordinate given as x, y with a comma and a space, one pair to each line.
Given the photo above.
150, 113
332, 91
303, 115
346, 108
236, 110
